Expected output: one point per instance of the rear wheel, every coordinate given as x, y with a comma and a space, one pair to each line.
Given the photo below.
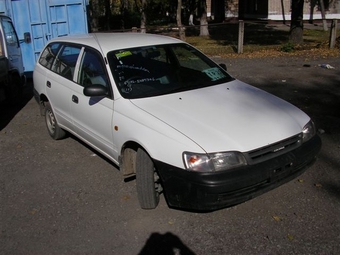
52, 125
147, 181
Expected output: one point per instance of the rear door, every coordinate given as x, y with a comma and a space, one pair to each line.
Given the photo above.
60, 80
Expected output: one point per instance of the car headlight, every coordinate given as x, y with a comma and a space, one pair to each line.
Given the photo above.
308, 131
214, 161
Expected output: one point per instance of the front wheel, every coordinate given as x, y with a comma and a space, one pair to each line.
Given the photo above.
147, 181
53, 128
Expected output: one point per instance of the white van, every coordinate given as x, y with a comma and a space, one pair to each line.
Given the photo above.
167, 114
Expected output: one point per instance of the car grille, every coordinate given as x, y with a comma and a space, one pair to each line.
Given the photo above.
273, 150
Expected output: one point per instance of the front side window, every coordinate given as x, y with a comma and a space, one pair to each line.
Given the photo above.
10, 34
92, 70
66, 60
163, 69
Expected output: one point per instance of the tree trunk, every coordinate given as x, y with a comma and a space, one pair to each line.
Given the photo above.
123, 7
94, 14
108, 14
323, 14
179, 21
311, 11
204, 31
283, 12
296, 25
143, 17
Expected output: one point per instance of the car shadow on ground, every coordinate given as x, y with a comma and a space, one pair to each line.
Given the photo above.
9, 110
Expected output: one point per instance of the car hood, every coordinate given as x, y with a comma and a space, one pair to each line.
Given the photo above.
230, 116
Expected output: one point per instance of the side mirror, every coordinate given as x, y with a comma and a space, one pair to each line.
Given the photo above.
95, 90
223, 66
27, 37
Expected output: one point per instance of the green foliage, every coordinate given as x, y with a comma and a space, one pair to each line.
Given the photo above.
288, 47
161, 12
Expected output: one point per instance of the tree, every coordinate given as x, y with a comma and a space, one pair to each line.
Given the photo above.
108, 14
143, 17
94, 15
179, 21
311, 13
202, 11
296, 25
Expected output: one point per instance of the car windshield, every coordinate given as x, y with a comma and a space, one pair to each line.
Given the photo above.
163, 69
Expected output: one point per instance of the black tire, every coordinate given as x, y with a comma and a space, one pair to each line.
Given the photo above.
147, 181
53, 128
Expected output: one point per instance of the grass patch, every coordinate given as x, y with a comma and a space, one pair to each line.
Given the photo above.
288, 47
260, 40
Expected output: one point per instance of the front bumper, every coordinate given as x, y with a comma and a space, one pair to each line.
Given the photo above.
215, 190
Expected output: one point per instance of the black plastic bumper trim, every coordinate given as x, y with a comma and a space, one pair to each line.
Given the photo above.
215, 190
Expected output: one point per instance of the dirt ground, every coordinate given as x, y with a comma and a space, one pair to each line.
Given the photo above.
60, 197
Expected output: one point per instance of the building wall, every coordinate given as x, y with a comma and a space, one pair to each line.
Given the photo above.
209, 8
232, 8
275, 11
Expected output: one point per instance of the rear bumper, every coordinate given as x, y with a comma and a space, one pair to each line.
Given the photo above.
215, 190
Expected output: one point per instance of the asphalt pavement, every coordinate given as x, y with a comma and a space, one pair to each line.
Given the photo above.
61, 197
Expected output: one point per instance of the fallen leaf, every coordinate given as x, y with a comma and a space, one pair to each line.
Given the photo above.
290, 237
318, 185
126, 198
33, 211
277, 218
300, 180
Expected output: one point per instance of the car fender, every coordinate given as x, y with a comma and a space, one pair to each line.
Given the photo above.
161, 141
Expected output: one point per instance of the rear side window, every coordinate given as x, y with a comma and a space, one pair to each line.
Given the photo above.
49, 54
66, 60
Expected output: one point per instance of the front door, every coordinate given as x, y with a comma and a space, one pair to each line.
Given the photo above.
93, 116
12, 46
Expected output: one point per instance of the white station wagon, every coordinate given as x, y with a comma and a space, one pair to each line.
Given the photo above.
167, 114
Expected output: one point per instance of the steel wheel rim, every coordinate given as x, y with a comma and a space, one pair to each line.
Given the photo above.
50, 121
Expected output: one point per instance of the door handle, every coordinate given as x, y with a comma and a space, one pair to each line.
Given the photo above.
48, 84
75, 99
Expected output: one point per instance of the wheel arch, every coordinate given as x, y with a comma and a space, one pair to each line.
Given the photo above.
14, 73
127, 160
42, 100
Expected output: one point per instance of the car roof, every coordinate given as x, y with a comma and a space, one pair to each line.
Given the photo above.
116, 41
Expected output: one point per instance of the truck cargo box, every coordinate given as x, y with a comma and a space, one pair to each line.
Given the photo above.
38, 21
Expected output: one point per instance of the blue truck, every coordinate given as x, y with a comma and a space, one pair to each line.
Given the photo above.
38, 21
